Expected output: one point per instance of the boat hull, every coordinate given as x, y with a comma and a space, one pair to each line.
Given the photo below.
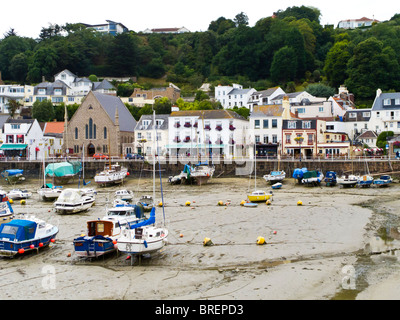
259, 198
88, 247
11, 248
66, 208
142, 246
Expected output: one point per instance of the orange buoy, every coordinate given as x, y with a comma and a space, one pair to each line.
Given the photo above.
21, 251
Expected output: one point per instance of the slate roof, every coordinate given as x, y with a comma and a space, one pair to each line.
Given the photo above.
378, 103
3, 119
110, 103
164, 117
273, 110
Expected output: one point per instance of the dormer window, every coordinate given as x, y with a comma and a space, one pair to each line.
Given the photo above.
386, 102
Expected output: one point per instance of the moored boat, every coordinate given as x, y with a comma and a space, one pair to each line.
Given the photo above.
330, 178
259, 196
147, 202
299, 173
383, 181
18, 194
103, 233
73, 201
13, 176
6, 210
347, 181
63, 172
49, 192
312, 178
365, 181
277, 185
275, 176
124, 194
112, 174
143, 237
21, 235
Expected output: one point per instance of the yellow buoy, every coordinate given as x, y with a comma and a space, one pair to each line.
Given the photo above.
207, 242
220, 203
160, 204
299, 203
242, 202
187, 203
268, 202
11, 201
22, 201
260, 240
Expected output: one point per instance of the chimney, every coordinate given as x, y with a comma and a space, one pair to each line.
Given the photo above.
378, 92
43, 79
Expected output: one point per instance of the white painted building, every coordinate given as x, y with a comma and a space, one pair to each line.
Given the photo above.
23, 138
265, 130
234, 96
144, 135
385, 112
208, 132
23, 94
111, 27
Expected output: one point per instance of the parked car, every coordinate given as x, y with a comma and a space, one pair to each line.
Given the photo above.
100, 156
134, 156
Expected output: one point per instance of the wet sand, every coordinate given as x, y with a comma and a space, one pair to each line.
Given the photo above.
303, 259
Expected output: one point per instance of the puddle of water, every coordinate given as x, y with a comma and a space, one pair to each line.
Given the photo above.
386, 244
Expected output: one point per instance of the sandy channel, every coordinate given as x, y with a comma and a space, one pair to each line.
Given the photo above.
304, 258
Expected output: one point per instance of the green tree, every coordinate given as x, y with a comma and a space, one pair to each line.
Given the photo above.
320, 90
336, 63
372, 66
13, 106
284, 65
43, 63
43, 111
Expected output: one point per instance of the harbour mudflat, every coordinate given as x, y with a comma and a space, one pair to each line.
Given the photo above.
306, 251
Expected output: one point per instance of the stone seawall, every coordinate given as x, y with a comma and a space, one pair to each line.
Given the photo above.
139, 168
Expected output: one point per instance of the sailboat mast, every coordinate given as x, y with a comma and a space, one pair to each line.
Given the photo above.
154, 156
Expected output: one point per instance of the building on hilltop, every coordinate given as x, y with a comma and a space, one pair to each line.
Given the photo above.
110, 27
356, 23
167, 30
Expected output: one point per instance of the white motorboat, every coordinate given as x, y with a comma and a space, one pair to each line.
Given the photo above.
312, 178
103, 233
21, 235
201, 173
123, 194
143, 237
49, 192
347, 181
73, 201
17, 194
147, 202
6, 211
275, 176
112, 174
198, 174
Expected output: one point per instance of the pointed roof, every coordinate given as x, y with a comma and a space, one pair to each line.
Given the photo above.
110, 103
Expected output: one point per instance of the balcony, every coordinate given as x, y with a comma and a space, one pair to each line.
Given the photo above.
187, 125
187, 139
196, 125
219, 141
219, 128
177, 125
207, 127
231, 141
231, 127
177, 140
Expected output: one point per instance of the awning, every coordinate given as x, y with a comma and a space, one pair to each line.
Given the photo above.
13, 146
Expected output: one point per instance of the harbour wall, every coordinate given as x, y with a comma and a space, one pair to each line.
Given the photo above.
140, 168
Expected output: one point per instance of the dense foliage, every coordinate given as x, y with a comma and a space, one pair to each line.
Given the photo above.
291, 49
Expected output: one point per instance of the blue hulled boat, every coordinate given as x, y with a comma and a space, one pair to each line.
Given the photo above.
103, 233
330, 179
299, 173
21, 235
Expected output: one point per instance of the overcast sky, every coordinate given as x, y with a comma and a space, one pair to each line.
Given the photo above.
27, 17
